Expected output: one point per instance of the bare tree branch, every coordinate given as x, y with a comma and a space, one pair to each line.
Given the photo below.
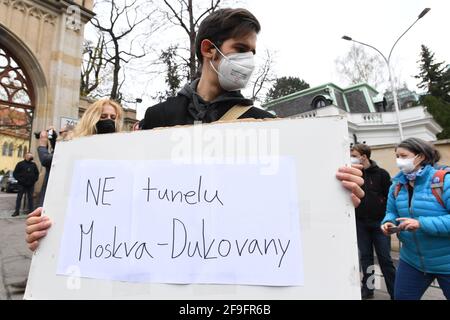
91, 68
123, 20
185, 17
358, 66
263, 76
177, 16
213, 8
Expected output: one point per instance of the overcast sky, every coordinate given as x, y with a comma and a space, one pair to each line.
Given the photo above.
306, 35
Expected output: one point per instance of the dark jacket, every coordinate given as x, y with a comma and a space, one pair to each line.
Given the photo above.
26, 173
188, 107
376, 187
45, 158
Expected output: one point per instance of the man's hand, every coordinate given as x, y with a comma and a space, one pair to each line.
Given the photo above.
408, 224
43, 139
351, 178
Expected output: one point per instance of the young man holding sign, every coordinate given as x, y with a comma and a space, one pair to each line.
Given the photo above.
225, 48
225, 45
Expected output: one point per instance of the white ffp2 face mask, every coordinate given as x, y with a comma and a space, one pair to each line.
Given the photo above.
406, 165
355, 160
234, 70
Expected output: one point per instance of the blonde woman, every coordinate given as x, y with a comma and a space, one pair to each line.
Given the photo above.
103, 116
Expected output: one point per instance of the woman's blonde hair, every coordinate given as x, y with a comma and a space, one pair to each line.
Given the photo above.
87, 124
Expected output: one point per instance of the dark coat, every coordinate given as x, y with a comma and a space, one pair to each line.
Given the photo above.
187, 107
26, 173
45, 158
376, 187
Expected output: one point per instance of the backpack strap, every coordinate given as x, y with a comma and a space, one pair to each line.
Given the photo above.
397, 190
437, 185
234, 113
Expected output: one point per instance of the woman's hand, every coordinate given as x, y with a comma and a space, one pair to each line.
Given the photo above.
36, 228
385, 228
408, 224
351, 178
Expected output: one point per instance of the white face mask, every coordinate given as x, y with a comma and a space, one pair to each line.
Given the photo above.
355, 160
406, 165
235, 70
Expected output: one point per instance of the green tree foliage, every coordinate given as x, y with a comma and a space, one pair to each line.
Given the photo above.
440, 110
174, 73
434, 76
284, 86
435, 79
173, 78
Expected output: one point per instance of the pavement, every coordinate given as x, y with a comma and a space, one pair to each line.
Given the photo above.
380, 293
15, 258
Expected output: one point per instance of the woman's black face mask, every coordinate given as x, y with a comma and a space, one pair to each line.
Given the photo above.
106, 126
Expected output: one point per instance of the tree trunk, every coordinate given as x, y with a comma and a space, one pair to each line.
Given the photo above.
114, 94
192, 35
192, 59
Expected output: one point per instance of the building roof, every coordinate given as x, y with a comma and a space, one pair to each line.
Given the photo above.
14, 122
301, 93
354, 99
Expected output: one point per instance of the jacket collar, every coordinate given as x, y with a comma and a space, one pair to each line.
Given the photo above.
199, 108
401, 178
373, 165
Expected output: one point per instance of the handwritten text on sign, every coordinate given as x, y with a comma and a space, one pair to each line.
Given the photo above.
153, 221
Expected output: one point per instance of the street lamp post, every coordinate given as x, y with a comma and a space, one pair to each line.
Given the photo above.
138, 100
388, 63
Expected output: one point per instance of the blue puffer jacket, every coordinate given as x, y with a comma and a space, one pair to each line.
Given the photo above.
427, 249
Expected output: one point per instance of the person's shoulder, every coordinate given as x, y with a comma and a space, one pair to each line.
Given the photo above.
159, 114
257, 113
383, 171
171, 104
176, 101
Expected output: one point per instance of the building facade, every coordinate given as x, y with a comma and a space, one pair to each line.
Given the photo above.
40, 58
369, 117
14, 137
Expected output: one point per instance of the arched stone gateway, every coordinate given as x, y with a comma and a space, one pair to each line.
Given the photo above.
17, 107
40, 59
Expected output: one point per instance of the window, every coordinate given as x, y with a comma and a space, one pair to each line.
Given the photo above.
321, 101
14, 84
16, 101
25, 150
320, 104
11, 150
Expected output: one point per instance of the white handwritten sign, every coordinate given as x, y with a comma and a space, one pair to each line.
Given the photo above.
245, 210
153, 221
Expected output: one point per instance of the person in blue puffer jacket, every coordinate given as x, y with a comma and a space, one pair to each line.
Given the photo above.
421, 222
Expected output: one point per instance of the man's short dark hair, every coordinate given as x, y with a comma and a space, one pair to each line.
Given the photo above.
362, 149
225, 24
